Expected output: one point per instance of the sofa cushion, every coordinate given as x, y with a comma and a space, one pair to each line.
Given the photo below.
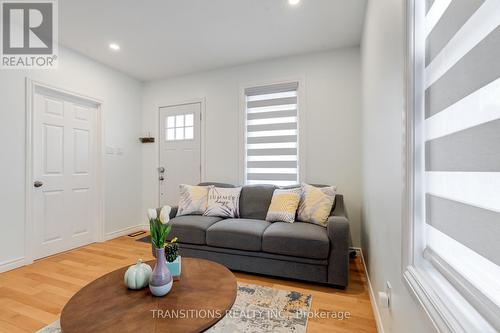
255, 201
192, 228
241, 234
298, 239
223, 185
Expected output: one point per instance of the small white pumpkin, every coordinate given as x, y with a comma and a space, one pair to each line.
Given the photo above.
137, 276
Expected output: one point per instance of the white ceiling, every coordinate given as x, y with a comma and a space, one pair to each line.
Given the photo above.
161, 38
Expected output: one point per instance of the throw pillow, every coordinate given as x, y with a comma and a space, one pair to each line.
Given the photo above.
316, 204
193, 200
223, 202
283, 205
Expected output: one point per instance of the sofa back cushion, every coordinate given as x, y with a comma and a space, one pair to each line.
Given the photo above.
223, 185
255, 201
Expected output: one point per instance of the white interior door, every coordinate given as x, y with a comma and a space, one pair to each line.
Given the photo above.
180, 149
64, 202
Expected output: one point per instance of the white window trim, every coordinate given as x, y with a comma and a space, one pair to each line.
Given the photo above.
448, 310
301, 121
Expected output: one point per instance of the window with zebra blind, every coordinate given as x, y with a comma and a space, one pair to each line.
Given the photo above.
456, 156
271, 134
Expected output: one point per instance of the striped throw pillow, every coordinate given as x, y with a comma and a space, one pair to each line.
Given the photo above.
283, 205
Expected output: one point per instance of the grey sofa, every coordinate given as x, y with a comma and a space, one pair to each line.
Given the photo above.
299, 250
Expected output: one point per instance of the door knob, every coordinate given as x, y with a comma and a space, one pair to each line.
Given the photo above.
161, 170
38, 183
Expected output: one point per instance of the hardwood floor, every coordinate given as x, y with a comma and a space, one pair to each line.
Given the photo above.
33, 296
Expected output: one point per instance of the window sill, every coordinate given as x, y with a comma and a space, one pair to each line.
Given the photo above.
447, 309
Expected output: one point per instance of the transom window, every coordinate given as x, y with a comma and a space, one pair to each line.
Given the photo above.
180, 127
271, 140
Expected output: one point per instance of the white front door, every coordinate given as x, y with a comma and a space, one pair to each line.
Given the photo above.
180, 149
64, 200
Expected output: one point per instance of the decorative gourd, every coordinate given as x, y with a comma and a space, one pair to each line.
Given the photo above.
137, 276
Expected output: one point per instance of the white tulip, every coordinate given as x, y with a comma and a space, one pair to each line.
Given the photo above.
152, 214
165, 214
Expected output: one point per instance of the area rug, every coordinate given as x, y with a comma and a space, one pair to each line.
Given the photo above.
257, 309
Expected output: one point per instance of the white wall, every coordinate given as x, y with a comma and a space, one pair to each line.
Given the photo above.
121, 98
332, 108
382, 57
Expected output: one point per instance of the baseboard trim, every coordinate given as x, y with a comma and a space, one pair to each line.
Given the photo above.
125, 231
11, 264
373, 299
21, 261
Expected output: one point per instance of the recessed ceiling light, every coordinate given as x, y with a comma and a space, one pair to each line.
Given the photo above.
114, 46
293, 2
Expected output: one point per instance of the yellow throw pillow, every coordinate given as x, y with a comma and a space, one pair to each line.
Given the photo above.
316, 204
193, 200
283, 205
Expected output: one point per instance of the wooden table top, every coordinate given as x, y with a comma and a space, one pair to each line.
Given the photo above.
205, 291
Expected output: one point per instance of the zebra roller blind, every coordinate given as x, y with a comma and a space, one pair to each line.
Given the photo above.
271, 150
462, 142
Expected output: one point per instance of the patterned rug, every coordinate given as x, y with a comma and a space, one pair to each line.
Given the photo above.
257, 309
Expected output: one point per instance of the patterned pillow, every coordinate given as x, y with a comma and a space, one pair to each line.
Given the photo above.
316, 204
223, 202
283, 205
193, 200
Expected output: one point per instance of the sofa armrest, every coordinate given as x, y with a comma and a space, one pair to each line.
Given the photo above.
340, 239
173, 212
339, 207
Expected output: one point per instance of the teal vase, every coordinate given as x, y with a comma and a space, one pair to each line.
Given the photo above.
175, 267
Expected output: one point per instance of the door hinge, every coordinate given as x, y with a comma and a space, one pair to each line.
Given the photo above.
201, 116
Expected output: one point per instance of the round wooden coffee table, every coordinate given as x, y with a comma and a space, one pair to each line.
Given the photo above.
205, 291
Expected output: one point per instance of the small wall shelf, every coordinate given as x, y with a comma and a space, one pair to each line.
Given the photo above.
147, 140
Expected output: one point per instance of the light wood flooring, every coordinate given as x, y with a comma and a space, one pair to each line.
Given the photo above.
33, 296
